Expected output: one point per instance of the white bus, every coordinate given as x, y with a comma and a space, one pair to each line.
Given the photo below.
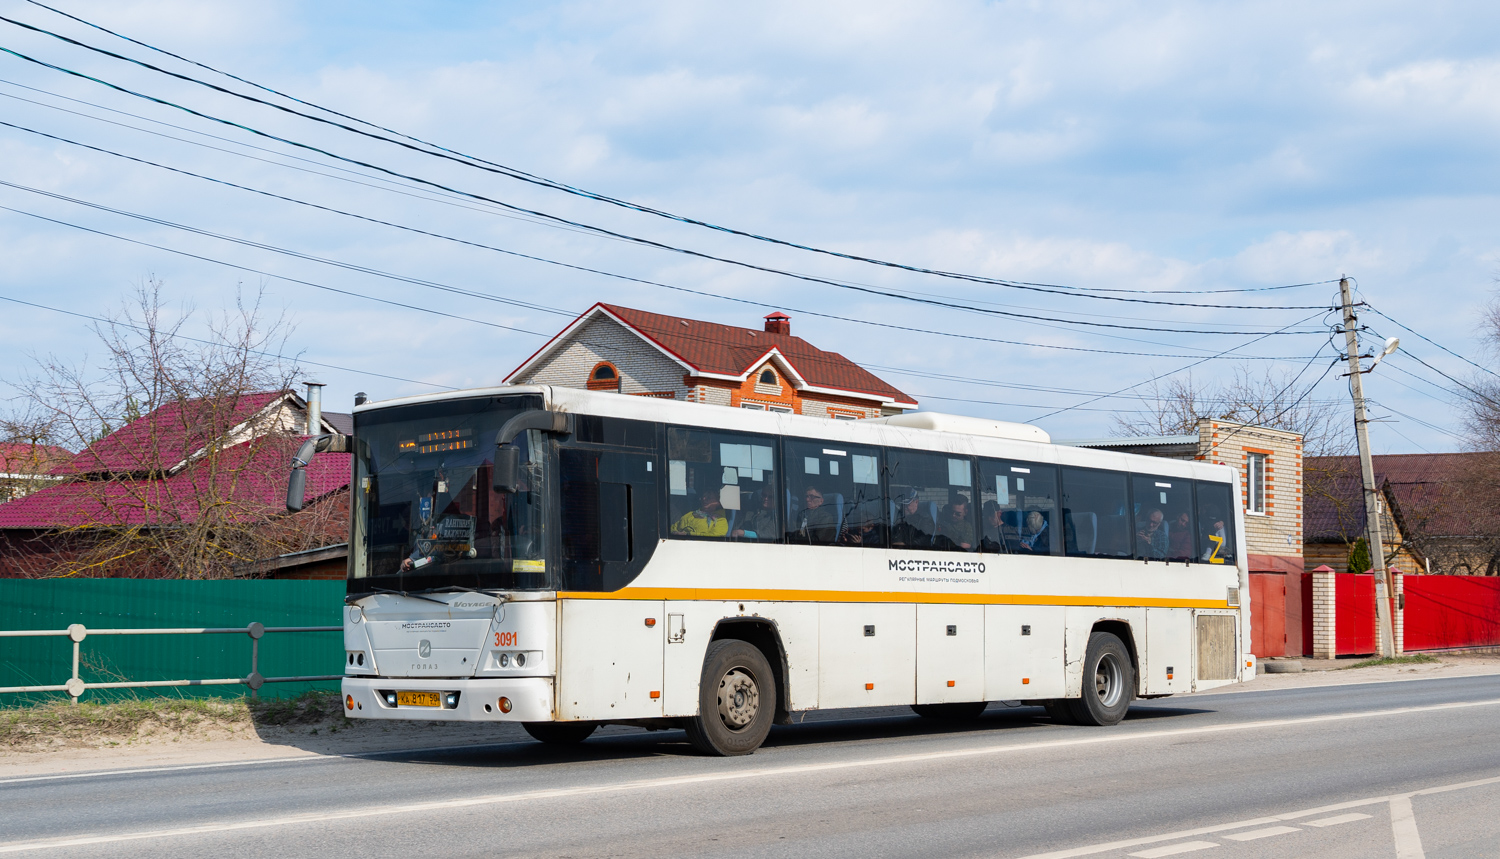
569, 559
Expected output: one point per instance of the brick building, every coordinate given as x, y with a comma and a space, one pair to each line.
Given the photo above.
612, 348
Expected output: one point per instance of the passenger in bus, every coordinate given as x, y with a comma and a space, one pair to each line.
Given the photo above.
912, 529
759, 521
707, 521
1215, 538
1181, 538
1034, 537
1151, 538
953, 529
864, 529
815, 524
997, 537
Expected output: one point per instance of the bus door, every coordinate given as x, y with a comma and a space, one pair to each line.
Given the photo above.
609, 516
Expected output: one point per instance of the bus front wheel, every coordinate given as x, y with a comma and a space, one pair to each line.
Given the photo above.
1108, 683
736, 700
560, 733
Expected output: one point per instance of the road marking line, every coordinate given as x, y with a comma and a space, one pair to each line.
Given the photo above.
1336, 820
1174, 849
164, 769
1262, 833
791, 770
1241, 824
1404, 827
1239, 690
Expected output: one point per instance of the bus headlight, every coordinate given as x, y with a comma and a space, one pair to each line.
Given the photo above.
520, 660
504, 660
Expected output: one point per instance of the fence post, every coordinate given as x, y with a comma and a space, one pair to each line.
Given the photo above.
1400, 612
77, 632
1325, 638
255, 681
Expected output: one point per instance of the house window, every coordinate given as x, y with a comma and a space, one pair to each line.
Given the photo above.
755, 407
780, 410
842, 417
1255, 483
767, 377
604, 377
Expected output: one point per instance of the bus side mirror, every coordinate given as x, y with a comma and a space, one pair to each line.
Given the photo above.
507, 468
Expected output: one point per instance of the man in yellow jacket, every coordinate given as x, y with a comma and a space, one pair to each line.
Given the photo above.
707, 521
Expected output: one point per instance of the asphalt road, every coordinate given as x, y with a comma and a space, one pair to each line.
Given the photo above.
1404, 769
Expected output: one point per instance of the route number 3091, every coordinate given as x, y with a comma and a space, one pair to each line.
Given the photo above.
505, 639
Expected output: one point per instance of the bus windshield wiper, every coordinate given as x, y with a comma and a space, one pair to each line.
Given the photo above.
413, 594
460, 589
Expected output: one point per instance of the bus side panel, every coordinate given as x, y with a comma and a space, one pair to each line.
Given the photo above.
866, 654
609, 660
1169, 649
950, 653
690, 628
1080, 625
1023, 653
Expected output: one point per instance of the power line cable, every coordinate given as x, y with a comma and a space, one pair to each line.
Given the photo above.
1407, 329
601, 272
298, 360
521, 175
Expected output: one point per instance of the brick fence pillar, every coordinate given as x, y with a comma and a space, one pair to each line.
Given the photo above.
1324, 620
1398, 617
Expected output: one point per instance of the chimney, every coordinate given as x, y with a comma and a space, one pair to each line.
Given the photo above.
314, 408
778, 323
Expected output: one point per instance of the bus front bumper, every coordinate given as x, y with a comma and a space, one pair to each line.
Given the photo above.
529, 699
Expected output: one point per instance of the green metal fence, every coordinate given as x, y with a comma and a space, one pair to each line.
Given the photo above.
145, 603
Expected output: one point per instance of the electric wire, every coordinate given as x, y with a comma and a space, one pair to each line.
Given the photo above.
297, 360
1409, 330
521, 175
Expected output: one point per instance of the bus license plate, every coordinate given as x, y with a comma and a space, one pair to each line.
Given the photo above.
418, 699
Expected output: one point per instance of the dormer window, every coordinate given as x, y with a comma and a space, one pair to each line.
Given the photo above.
604, 377
767, 377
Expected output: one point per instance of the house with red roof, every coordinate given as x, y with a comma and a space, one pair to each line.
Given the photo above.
26, 467
613, 348
192, 489
1433, 516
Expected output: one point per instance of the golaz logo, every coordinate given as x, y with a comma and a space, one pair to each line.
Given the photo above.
424, 649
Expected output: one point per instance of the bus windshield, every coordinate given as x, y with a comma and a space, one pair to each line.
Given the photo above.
425, 511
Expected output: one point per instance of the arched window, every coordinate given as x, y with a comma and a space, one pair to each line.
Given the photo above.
767, 377
604, 377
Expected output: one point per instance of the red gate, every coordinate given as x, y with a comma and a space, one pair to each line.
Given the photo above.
1451, 611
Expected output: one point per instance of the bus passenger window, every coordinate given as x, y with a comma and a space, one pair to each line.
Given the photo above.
721, 485
1019, 506
1096, 521
1216, 543
932, 501
1163, 518
833, 494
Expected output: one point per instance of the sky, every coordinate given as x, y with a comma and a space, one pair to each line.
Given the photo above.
1206, 153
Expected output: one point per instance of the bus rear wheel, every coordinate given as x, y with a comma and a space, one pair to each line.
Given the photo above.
736, 700
560, 733
959, 711
1108, 683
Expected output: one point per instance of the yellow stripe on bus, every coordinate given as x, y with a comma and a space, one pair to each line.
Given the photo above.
753, 595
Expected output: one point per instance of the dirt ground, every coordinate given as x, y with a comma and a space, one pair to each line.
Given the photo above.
230, 739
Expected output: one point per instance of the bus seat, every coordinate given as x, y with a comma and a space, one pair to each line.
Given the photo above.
732, 514
1085, 532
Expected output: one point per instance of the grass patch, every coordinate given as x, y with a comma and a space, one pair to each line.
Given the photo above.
60, 723
1413, 659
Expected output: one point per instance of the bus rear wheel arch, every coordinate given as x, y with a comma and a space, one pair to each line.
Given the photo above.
736, 700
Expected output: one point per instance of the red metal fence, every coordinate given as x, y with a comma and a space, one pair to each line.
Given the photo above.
1450, 611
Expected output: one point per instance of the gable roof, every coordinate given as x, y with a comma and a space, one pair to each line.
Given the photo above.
165, 438
1424, 491
25, 458
250, 477
715, 351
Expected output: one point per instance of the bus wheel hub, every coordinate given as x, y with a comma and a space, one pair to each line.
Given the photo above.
739, 699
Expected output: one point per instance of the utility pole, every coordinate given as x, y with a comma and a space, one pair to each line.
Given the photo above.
1383, 587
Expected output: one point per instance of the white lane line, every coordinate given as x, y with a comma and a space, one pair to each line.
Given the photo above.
1262, 833
1337, 819
782, 771
165, 769
1240, 690
1174, 849
1404, 827
1242, 824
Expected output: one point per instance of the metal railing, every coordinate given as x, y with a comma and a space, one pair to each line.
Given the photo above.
75, 687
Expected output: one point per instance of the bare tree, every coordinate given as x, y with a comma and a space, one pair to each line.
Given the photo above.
179, 436
1276, 399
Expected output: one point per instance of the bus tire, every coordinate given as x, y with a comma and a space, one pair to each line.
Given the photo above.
560, 733
958, 711
736, 700
1108, 683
